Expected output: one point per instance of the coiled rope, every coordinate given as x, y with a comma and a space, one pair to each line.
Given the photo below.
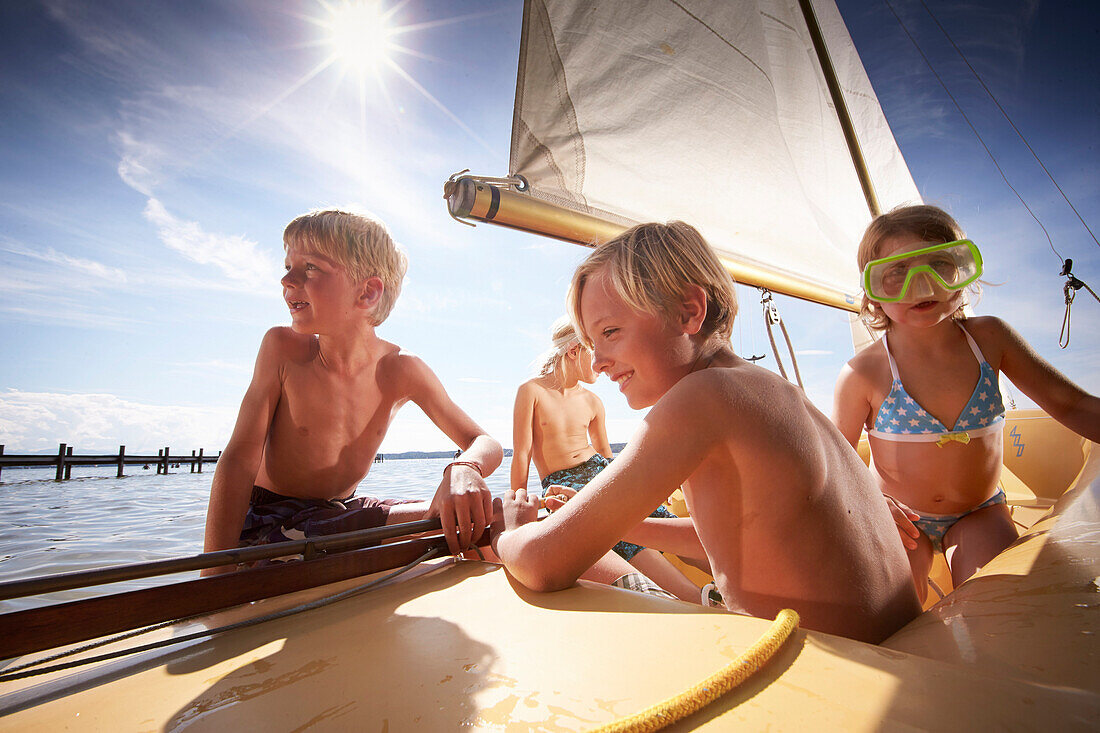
696, 698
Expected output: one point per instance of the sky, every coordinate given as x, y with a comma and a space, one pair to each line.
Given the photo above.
152, 151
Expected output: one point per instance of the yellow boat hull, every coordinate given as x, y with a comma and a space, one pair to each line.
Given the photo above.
459, 645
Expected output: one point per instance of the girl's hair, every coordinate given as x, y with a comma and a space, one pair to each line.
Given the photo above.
650, 267
562, 338
361, 245
931, 224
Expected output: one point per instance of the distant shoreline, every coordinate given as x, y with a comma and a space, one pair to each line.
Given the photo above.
615, 448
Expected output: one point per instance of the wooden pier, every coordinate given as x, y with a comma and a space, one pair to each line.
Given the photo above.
64, 460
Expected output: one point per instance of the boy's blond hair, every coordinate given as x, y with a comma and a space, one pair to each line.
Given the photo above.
563, 336
360, 244
650, 267
930, 223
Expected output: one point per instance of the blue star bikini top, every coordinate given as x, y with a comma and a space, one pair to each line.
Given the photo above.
901, 419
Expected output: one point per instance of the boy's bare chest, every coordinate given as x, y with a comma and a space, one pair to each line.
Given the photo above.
323, 405
556, 411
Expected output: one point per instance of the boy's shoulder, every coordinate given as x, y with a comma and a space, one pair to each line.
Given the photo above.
284, 343
402, 370
741, 384
534, 387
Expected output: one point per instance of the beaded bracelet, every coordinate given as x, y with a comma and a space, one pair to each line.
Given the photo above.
471, 464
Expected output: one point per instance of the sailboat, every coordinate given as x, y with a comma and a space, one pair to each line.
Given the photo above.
607, 131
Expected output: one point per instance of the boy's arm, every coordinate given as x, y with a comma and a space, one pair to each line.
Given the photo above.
677, 536
523, 416
597, 430
674, 438
1038, 379
462, 500
240, 461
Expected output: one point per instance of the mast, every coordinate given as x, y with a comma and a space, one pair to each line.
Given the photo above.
841, 108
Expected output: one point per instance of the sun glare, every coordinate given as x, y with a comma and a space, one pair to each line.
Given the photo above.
360, 35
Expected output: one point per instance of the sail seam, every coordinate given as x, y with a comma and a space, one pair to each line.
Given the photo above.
724, 40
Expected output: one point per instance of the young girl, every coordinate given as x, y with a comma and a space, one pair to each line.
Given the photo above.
560, 424
927, 392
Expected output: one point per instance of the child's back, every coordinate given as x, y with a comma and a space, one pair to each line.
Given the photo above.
783, 499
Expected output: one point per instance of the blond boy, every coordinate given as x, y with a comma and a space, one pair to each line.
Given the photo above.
561, 426
323, 395
786, 512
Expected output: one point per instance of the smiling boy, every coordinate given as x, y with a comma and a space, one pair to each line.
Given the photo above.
783, 506
323, 395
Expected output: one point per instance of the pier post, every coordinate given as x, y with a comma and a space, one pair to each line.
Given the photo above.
1, 465
121, 459
165, 460
200, 460
192, 460
68, 466
60, 462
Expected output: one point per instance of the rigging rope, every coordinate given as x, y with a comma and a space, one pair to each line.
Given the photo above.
1070, 289
696, 698
772, 317
1011, 123
971, 126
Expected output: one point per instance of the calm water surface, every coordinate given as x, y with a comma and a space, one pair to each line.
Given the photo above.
95, 519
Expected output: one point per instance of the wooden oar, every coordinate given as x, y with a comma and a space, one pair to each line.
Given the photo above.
37, 629
308, 548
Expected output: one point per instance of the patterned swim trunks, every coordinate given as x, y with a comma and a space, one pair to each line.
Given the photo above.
273, 517
639, 583
578, 477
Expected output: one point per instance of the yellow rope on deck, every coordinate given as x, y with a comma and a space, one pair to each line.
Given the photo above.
697, 697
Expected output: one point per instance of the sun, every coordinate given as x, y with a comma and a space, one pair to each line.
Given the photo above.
360, 37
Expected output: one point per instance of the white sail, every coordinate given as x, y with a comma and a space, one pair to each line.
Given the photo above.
716, 113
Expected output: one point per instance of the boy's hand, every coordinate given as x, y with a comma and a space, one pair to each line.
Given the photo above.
465, 506
519, 508
516, 509
556, 496
904, 518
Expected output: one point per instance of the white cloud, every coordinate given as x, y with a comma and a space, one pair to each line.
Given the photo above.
84, 266
38, 421
136, 167
236, 256
478, 380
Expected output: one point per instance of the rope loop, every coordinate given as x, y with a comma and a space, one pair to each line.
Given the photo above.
1070, 289
772, 317
710, 689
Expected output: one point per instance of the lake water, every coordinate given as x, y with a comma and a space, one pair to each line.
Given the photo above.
95, 519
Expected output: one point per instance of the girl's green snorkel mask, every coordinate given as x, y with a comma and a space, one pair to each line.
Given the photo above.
912, 276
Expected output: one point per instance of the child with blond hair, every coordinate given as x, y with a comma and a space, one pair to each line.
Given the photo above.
561, 426
933, 368
323, 394
785, 510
